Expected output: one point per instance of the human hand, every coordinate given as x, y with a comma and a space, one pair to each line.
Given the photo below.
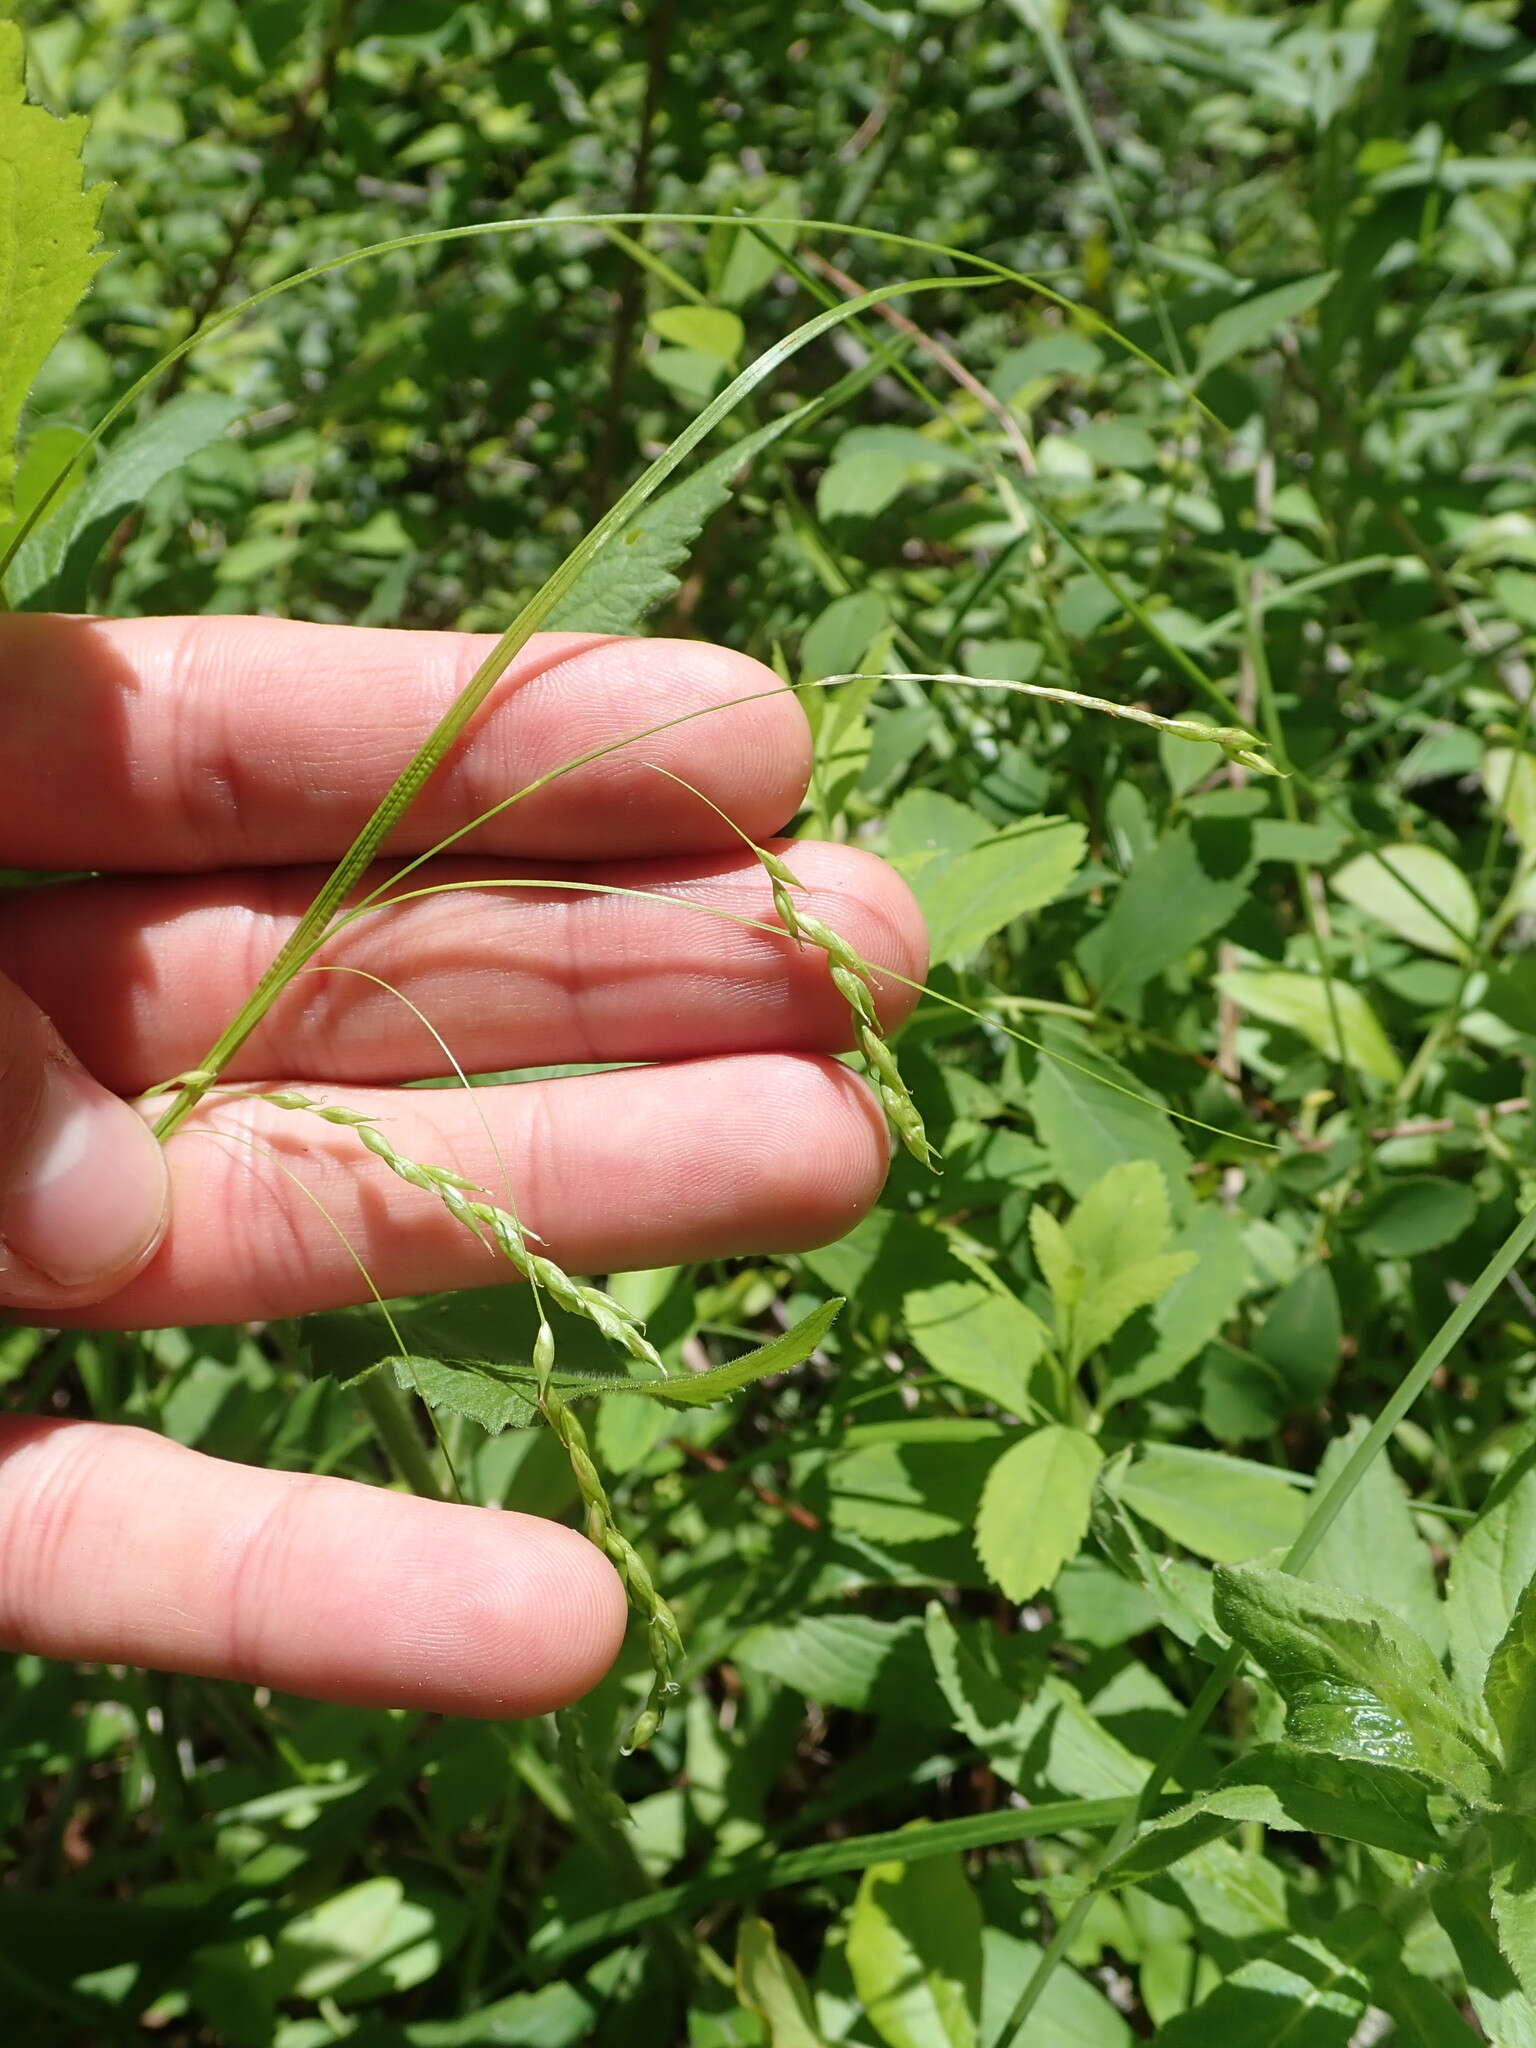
212, 770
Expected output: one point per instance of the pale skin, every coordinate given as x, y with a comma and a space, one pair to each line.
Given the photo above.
210, 771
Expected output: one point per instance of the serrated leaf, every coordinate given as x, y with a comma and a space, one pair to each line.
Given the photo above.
1280, 1785
482, 1393
56, 577
1512, 1891
1035, 1507
972, 878
1373, 1547
1494, 1563
1509, 1693
1298, 1995
1186, 889
1356, 1680
1123, 1219
1492, 1988
849, 1660
700, 1389
48, 228
1116, 1296
1378, 885
1258, 319
1064, 1273
914, 1950
1300, 1002
977, 1334
635, 572
1191, 1311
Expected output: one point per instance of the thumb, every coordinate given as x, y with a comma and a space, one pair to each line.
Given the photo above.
83, 1185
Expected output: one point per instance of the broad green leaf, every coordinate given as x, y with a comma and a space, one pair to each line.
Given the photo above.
1509, 1692
1414, 1214
872, 466
1356, 1680
372, 1940
1123, 1219
1512, 1890
1373, 1548
1494, 1563
768, 1984
736, 259
1282, 1786
1423, 2014
1109, 1259
849, 1660
861, 486
986, 1710
1035, 1507
1299, 1995
711, 330
637, 571
914, 1949
1073, 2013
1191, 1312
702, 1389
1188, 888
1376, 884
1492, 1988
912, 1482
1219, 1507
1065, 1274
65, 548
836, 642
1091, 1113
48, 228
498, 1394
47, 453
1120, 1294
1301, 1336
977, 1334
1300, 1003
782, 1354
1256, 320
972, 878
483, 1393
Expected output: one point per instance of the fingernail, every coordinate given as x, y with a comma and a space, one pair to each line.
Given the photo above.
87, 1200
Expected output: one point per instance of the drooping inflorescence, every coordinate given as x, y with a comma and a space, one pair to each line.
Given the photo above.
462, 1199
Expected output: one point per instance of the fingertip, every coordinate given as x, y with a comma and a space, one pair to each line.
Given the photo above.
833, 1156
572, 1604
759, 752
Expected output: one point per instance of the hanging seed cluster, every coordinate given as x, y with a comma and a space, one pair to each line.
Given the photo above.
500, 1228
850, 977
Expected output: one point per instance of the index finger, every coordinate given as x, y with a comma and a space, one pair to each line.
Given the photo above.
177, 744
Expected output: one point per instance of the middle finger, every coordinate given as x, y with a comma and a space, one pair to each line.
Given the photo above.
510, 977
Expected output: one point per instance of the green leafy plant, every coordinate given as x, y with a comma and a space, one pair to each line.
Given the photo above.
1097, 1588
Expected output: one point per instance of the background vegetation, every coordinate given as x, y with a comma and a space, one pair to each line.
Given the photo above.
973, 1565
